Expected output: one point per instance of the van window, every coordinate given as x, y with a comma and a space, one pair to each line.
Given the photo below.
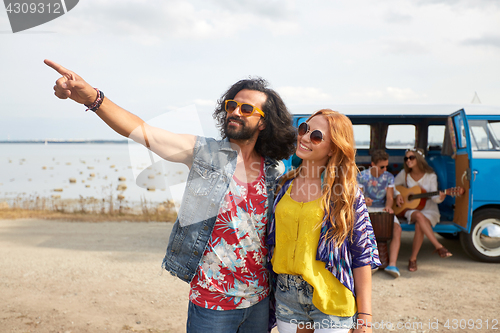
494, 126
400, 136
362, 136
462, 140
484, 135
435, 136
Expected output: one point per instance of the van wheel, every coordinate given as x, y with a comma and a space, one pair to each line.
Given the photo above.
483, 242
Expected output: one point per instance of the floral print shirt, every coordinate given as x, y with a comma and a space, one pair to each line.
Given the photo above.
232, 273
375, 188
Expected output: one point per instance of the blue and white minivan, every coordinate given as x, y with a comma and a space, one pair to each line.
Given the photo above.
462, 145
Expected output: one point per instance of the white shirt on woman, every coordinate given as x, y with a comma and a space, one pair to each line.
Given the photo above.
429, 183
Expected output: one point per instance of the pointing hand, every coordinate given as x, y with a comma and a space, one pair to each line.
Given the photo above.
72, 86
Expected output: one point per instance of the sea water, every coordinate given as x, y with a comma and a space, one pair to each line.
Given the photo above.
45, 170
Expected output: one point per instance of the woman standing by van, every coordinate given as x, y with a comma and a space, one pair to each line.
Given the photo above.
321, 241
417, 172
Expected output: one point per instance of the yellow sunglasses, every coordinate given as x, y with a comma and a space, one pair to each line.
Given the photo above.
246, 109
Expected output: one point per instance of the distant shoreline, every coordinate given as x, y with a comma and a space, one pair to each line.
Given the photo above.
53, 141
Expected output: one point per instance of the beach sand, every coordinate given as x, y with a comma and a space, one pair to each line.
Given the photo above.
61, 276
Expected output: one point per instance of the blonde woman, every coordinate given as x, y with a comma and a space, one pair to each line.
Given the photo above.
321, 241
417, 172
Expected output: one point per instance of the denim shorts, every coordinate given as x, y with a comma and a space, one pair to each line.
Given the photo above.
294, 305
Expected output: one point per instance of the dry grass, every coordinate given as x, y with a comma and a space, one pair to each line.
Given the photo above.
18, 213
87, 210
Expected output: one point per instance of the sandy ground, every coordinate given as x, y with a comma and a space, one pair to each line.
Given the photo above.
106, 277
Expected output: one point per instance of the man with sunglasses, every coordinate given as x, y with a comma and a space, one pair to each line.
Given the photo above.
378, 188
217, 243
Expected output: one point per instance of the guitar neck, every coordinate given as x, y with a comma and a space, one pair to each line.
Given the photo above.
424, 195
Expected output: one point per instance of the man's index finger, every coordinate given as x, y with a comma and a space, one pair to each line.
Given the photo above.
58, 68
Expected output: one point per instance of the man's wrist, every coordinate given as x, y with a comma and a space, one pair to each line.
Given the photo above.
97, 103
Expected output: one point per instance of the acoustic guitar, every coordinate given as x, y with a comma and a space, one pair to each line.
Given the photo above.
416, 197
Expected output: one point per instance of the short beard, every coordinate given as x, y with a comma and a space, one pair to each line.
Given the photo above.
244, 133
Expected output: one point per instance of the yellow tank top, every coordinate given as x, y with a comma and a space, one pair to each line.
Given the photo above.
298, 226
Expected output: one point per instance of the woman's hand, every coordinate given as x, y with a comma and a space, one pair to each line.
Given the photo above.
368, 201
364, 324
72, 86
442, 195
363, 329
399, 200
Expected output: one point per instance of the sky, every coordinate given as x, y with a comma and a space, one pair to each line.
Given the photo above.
158, 58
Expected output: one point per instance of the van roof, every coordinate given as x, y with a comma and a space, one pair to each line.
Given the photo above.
397, 109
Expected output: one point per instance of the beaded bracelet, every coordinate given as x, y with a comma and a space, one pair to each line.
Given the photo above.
97, 103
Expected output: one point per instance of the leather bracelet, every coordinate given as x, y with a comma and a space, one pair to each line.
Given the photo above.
97, 103
368, 314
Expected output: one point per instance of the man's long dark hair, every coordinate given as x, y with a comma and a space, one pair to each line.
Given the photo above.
278, 139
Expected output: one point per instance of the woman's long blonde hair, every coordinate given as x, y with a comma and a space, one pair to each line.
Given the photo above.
339, 180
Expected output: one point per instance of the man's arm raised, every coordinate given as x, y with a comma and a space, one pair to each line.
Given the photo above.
170, 146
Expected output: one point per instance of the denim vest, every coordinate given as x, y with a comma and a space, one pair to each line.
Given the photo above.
214, 163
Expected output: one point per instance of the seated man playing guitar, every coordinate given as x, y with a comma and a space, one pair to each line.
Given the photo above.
417, 172
378, 189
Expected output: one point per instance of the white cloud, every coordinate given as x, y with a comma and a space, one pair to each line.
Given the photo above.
483, 4
274, 9
403, 94
434, 2
397, 18
205, 102
368, 95
389, 95
303, 95
404, 46
489, 40
150, 23
4, 20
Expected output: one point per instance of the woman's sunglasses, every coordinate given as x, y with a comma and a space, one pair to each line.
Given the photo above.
316, 136
411, 158
246, 109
